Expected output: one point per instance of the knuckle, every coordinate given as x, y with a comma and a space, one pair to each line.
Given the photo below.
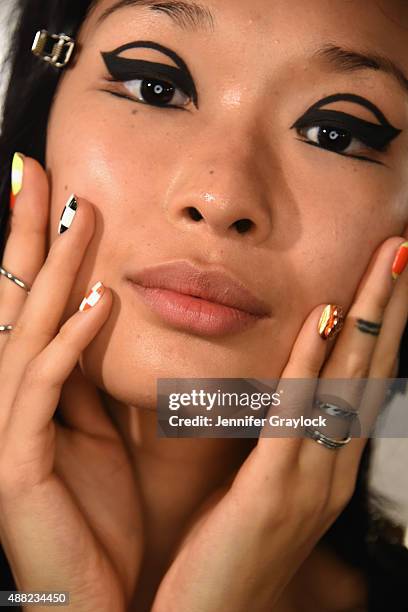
22, 333
37, 374
314, 503
17, 333
354, 363
272, 514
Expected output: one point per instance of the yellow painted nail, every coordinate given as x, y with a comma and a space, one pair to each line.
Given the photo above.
17, 170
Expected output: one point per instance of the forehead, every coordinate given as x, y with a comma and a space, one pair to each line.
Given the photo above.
395, 11
381, 24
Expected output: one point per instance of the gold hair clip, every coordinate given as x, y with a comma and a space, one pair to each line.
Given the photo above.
53, 48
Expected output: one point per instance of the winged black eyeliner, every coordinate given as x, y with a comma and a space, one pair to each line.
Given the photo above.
123, 68
352, 98
372, 134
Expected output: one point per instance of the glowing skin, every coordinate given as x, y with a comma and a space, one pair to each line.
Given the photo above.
317, 216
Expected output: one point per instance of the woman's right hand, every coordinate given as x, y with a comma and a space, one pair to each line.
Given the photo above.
70, 517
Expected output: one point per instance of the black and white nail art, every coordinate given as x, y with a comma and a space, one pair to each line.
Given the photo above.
68, 214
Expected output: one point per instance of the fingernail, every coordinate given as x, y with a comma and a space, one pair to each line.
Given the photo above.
93, 297
400, 261
331, 321
68, 214
17, 171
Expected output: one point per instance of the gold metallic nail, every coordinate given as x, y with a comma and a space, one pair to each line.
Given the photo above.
331, 321
17, 173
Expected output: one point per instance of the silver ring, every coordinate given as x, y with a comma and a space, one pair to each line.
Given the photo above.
320, 437
5, 328
16, 280
336, 410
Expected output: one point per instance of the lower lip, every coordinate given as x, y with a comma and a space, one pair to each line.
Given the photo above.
195, 314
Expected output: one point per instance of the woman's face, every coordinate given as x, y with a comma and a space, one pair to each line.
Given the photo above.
316, 215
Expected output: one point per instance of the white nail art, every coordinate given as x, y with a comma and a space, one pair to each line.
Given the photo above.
93, 297
68, 214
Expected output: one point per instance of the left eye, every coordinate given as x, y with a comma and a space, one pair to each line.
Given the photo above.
156, 92
333, 138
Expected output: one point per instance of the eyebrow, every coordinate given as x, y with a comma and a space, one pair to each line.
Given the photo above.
190, 15
187, 15
348, 60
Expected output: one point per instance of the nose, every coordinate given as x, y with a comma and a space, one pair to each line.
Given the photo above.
220, 187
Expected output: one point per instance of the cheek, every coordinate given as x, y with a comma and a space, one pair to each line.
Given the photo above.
103, 161
112, 160
342, 218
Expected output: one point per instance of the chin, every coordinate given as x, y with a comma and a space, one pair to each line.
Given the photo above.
127, 356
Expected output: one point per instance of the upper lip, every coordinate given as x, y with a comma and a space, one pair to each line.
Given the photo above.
212, 285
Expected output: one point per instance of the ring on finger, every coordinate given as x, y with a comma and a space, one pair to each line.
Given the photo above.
321, 438
335, 410
15, 279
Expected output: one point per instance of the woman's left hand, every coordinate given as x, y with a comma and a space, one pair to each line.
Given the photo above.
248, 540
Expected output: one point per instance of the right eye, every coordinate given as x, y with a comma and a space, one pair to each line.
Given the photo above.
333, 138
155, 92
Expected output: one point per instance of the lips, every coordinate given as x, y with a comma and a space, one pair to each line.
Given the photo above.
211, 285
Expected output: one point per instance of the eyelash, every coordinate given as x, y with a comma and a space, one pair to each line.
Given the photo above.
368, 134
335, 128
372, 136
157, 80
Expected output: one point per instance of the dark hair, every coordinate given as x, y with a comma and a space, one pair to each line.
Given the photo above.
362, 535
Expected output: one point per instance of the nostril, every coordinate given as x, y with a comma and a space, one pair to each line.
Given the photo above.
194, 214
243, 225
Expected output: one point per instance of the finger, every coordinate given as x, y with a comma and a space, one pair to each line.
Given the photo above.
25, 248
40, 388
351, 358
305, 361
381, 371
43, 308
81, 406
395, 319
